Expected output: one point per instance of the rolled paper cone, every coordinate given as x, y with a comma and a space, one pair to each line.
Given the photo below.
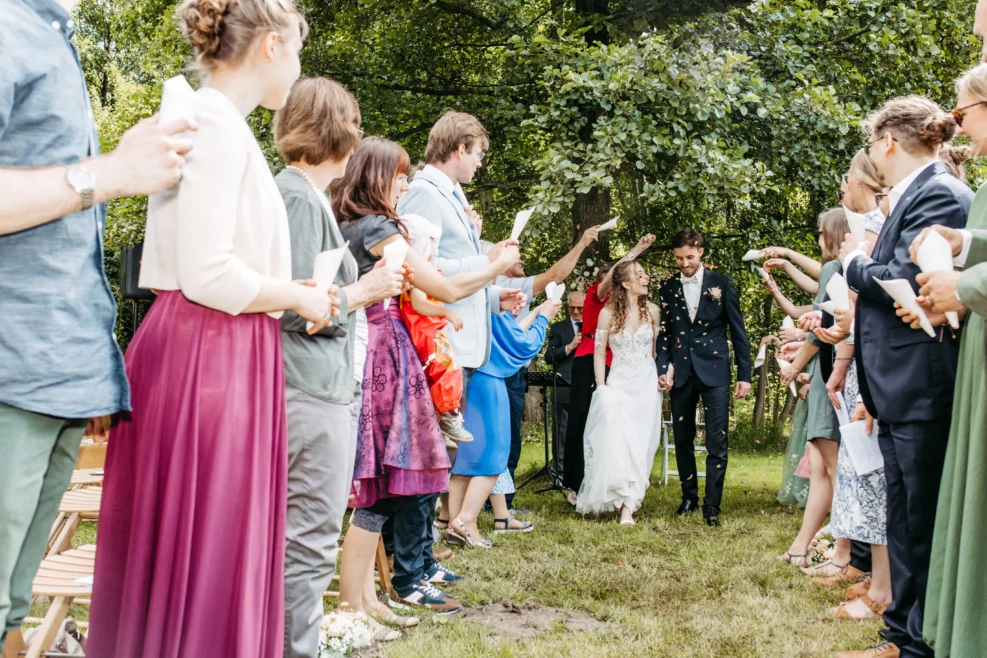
935, 255
901, 291
394, 254
787, 323
838, 292
856, 222
781, 365
753, 254
559, 291
520, 221
324, 270
761, 356
828, 307
612, 224
763, 273
178, 100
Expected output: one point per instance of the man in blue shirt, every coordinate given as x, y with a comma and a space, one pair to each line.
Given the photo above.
60, 367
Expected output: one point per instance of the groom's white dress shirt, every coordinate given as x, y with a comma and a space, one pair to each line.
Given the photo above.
692, 287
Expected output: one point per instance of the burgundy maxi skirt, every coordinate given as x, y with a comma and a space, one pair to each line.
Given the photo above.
191, 538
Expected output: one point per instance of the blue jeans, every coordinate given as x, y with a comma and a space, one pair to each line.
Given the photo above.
517, 384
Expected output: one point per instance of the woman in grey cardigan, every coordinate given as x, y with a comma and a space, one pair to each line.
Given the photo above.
316, 132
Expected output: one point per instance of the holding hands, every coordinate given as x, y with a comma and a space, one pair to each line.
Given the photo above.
667, 381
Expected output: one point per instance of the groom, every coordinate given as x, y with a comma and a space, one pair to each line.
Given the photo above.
696, 309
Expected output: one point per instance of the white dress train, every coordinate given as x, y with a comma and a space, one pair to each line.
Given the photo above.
623, 429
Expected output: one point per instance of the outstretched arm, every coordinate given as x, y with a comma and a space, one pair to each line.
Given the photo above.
641, 246
811, 266
564, 267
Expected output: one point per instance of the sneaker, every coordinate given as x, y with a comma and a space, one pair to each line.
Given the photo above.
427, 595
452, 427
443, 575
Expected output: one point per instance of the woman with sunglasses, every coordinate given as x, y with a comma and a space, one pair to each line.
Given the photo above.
906, 376
955, 606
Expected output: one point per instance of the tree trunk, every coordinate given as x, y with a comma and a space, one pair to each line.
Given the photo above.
762, 372
592, 209
789, 406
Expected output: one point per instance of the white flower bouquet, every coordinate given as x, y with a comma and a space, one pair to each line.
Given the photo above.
341, 633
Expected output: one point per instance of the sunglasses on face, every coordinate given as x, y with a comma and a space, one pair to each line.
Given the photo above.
875, 141
960, 113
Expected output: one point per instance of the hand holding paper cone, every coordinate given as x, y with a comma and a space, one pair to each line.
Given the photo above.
901, 291
936, 255
520, 221
394, 254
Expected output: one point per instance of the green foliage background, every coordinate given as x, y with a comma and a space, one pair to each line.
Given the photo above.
737, 118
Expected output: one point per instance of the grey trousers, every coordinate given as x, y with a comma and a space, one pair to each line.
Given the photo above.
321, 452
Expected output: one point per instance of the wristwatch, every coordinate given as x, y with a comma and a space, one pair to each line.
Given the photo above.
83, 182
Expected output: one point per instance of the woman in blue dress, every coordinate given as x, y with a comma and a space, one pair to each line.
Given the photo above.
480, 462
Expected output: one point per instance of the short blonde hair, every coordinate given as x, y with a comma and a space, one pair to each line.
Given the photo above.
452, 130
223, 30
974, 82
320, 122
863, 169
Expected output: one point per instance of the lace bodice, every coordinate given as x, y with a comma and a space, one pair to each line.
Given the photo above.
632, 349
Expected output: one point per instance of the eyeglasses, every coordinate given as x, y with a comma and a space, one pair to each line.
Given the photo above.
360, 130
959, 113
575, 308
875, 141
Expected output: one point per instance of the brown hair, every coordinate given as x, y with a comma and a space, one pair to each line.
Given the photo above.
618, 299
833, 228
223, 30
953, 157
365, 188
863, 169
687, 237
919, 125
320, 122
452, 130
603, 270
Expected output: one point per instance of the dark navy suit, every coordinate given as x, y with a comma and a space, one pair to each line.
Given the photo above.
701, 356
906, 380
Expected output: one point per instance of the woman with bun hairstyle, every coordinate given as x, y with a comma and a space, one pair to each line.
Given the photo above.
906, 377
192, 528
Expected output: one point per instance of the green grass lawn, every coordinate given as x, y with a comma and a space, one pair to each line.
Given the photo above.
665, 587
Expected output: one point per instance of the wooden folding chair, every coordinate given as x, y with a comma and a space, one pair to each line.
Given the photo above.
58, 579
383, 574
76, 505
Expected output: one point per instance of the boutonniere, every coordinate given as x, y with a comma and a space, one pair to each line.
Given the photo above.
715, 293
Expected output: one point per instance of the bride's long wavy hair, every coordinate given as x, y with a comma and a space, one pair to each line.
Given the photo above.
619, 304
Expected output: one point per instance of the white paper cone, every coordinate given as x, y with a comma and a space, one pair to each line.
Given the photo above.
394, 254
178, 100
842, 414
520, 221
935, 255
783, 364
787, 323
324, 271
554, 291
761, 356
856, 222
828, 307
901, 291
753, 254
612, 224
838, 292
764, 275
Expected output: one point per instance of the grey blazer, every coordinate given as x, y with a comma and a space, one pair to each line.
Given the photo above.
459, 251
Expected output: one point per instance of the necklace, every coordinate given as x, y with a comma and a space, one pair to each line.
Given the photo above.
322, 195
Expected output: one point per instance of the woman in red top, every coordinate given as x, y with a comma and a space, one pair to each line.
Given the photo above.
583, 378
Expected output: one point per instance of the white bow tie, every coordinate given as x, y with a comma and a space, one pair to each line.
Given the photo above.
689, 279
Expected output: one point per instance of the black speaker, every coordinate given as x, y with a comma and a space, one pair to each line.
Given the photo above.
130, 274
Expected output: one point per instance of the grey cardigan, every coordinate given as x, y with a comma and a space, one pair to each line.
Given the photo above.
320, 365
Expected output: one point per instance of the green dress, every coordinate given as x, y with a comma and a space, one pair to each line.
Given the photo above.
956, 605
794, 489
822, 420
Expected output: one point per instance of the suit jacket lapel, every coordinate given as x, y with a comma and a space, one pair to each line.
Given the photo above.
457, 206
906, 200
702, 293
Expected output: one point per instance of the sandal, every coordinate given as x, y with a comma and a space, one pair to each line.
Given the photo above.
381, 633
458, 529
525, 526
875, 610
791, 558
385, 615
823, 570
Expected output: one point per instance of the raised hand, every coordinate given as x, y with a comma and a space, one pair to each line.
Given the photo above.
775, 252
590, 235
549, 308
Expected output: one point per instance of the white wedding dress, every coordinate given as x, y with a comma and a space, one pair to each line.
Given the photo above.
623, 429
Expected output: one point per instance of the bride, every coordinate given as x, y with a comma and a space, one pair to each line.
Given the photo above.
624, 424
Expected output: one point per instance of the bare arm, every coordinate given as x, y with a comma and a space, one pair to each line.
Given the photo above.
785, 304
424, 306
600, 351
655, 327
638, 249
812, 267
562, 269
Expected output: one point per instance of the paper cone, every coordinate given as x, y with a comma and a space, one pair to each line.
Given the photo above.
612, 224
761, 356
782, 364
555, 291
324, 271
178, 100
787, 323
935, 255
763, 273
901, 291
838, 292
828, 307
520, 221
394, 254
856, 222
753, 254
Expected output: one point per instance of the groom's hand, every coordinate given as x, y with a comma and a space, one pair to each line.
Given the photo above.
742, 389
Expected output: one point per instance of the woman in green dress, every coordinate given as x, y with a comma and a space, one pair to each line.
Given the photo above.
955, 605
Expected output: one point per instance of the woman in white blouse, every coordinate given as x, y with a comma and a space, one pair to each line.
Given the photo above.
192, 528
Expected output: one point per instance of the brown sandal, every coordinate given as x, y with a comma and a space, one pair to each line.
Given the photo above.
875, 609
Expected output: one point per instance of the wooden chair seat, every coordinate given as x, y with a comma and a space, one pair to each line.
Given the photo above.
84, 501
87, 476
57, 579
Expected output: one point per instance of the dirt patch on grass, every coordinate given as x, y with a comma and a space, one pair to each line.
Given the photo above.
513, 621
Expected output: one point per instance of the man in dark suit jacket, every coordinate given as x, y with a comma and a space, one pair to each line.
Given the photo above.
563, 339
906, 376
697, 307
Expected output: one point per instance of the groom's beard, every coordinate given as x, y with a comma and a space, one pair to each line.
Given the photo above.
690, 270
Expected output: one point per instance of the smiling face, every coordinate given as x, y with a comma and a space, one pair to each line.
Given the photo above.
468, 162
974, 121
399, 185
576, 301
688, 259
638, 282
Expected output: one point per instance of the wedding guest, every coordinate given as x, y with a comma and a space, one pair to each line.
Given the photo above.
400, 456
208, 426
954, 156
823, 429
316, 132
954, 603
533, 286
697, 308
480, 463
563, 339
906, 377
59, 361
583, 378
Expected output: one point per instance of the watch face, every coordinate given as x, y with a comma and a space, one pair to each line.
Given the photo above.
80, 179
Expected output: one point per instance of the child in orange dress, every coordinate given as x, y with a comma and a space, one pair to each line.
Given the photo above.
427, 320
